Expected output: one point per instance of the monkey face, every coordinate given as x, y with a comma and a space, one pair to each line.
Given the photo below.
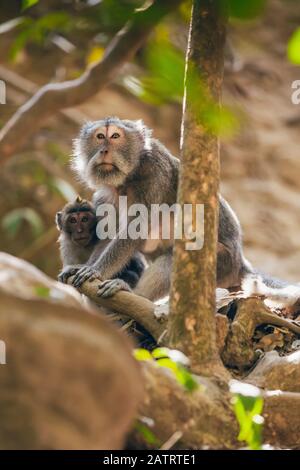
81, 227
108, 151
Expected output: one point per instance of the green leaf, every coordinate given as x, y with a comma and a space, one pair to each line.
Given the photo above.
12, 221
166, 362
165, 83
36, 31
182, 375
28, 3
147, 434
42, 291
293, 48
246, 9
248, 406
158, 353
141, 354
186, 379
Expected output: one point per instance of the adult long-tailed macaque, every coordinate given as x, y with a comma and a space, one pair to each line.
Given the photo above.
76, 223
120, 158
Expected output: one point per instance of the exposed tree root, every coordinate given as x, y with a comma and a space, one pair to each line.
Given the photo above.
251, 312
277, 372
205, 417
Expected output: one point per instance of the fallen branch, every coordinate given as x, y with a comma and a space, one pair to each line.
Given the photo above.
251, 313
53, 97
234, 341
126, 303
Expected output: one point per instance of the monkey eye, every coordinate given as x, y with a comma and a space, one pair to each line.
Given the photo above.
116, 135
73, 220
84, 219
100, 136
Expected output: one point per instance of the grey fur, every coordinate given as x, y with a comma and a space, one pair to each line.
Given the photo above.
75, 257
149, 173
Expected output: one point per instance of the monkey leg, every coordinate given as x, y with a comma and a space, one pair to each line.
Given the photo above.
156, 280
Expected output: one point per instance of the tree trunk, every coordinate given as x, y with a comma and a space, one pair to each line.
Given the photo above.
192, 322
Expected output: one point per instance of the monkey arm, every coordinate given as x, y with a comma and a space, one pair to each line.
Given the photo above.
112, 260
153, 284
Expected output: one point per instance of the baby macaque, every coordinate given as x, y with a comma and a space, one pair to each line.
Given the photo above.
77, 223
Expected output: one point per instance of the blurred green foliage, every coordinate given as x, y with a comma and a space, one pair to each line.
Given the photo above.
164, 82
293, 48
143, 428
42, 291
36, 30
246, 9
248, 406
13, 220
28, 3
163, 62
157, 77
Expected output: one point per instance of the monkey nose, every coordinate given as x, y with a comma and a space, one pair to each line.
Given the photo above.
103, 152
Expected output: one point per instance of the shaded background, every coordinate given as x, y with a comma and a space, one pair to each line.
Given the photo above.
260, 163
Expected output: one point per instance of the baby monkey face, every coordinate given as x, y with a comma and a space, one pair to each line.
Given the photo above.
81, 227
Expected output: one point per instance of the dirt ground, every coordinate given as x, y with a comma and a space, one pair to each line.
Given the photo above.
260, 165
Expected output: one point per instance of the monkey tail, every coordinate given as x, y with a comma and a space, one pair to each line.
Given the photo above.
277, 293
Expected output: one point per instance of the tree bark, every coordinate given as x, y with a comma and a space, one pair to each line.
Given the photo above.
192, 323
205, 417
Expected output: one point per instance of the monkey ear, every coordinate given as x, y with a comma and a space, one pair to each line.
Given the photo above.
58, 220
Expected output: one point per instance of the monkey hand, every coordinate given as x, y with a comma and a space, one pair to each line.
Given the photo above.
111, 287
68, 271
86, 273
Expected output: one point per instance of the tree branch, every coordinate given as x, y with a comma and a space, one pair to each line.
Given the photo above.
53, 97
126, 303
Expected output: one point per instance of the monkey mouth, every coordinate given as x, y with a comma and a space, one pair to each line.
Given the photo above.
106, 167
82, 241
